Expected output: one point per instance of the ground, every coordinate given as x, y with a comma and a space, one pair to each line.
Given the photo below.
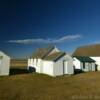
32, 86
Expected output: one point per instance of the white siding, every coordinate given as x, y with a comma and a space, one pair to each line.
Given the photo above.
39, 66
59, 66
70, 68
93, 67
97, 59
53, 68
4, 64
35, 63
87, 67
30, 63
48, 67
77, 63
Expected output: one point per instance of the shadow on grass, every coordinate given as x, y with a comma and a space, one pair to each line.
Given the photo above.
77, 71
16, 71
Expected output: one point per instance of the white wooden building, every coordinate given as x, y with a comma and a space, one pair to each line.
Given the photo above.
51, 61
4, 64
92, 51
84, 64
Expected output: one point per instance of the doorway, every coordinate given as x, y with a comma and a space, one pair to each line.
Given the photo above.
32, 69
65, 70
90, 66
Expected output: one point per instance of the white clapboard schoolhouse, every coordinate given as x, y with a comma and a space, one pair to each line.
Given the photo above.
51, 61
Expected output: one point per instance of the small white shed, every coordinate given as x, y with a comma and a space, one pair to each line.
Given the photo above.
4, 64
58, 64
91, 51
51, 61
84, 64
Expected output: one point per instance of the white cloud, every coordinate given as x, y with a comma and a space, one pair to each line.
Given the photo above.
40, 40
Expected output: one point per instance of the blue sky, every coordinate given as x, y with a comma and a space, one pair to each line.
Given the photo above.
31, 24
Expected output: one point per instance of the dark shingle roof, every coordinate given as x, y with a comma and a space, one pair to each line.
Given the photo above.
1, 57
90, 50
85, 59
42, 52
55, 56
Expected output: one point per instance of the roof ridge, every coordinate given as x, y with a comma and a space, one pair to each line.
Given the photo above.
88, 50
42, 52
48, 52
55, 56
88, 45
59, 55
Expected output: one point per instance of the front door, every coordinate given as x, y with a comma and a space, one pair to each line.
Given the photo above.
65, 67
90, 66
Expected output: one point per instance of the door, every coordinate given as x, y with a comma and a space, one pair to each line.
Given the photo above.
65, 70
32, 69
90, 66
0, 66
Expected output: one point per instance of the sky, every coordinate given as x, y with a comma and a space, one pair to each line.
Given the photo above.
26, 25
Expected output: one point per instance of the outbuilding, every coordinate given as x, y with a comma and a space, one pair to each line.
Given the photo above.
4, 64
84, 64
91, 51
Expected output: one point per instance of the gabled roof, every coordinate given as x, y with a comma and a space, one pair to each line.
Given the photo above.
55, 56
1, 57
3, 54
89, 50
42, 52
85, 59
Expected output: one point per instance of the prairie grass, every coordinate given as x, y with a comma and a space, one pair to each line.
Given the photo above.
33, 86
42, 87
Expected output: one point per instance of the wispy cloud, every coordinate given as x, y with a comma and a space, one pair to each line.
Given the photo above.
40, 40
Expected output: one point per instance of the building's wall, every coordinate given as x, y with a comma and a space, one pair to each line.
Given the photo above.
77, 64
44, 66
47, 67
61, 69
88, 66
97, 59
52, 68
35, 63
4, 65
39, 65
58, 68
86, 69
93, 67
30, 63
70, 67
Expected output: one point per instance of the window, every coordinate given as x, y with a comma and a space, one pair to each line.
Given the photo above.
84, 65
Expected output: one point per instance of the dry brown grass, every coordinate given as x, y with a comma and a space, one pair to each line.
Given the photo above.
18, 63
42, 87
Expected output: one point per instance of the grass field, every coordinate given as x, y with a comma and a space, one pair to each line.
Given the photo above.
32, 86
18, 63
42, 87
18, 66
